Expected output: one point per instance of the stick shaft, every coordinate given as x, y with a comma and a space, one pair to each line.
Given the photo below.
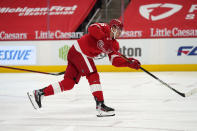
181, 94
27, 70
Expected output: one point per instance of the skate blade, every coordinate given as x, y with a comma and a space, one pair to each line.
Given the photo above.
32, 101
105, 115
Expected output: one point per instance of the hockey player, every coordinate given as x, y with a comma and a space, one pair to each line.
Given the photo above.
101, 38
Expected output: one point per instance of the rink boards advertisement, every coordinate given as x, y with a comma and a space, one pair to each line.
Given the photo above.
42, 19
59, 20
18, 55
160, 19
54, 53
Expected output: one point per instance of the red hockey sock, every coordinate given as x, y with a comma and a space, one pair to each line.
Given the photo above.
97, 91
95, 86
98, 95
48, 90
66, 84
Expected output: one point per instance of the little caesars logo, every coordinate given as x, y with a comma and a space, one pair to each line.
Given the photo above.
63, 51
146, 11
26, 11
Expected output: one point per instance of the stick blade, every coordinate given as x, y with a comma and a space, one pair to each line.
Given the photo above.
192, 92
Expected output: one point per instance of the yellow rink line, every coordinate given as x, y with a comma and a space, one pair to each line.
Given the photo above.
107, 68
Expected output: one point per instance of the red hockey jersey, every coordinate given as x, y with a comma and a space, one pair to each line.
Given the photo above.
98, 41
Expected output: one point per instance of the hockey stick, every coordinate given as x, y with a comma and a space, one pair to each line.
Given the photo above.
191, 92
13, 68
181, 94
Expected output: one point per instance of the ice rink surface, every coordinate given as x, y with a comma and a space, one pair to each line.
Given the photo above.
141, 103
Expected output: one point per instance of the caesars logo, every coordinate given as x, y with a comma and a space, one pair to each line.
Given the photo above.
146, 11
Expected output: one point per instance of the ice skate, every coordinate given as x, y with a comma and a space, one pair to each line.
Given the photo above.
35, 98
103, 110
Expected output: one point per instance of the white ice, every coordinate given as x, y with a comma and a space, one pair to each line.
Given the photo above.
141, 103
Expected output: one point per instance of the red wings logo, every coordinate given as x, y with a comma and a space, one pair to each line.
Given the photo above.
101, 46
146, 10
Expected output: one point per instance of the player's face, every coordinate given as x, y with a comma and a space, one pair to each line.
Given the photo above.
116, 32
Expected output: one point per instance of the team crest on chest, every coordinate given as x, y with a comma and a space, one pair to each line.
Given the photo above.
100, 45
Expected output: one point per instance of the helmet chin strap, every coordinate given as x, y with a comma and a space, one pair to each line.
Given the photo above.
114, 32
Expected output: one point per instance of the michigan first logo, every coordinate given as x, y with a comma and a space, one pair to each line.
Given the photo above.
187, 50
